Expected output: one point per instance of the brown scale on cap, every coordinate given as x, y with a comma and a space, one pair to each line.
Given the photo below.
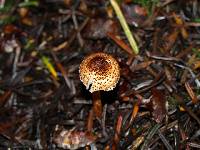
99, 71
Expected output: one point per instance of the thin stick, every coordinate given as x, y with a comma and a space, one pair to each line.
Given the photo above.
104, 121
125, 26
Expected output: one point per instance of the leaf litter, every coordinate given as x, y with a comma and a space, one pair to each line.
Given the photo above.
44, 105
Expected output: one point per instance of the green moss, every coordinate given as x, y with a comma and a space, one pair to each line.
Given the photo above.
172, 102
7, 6
7, 19
149, 4
197, 20
29, 3
196, 52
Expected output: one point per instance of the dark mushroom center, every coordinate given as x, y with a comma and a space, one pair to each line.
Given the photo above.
99, 65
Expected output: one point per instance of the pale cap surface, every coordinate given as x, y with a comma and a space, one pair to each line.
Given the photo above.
99, 71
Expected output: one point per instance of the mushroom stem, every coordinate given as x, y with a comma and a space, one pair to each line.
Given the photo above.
97, 105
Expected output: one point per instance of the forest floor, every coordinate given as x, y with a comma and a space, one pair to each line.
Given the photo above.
43, 103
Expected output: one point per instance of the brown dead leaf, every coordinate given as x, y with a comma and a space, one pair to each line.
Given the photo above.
4, 97
23, 12
98, 28
170, 39
70, 139
134, 14
180, 23
157, 105
191, 93
197, 64
4, 126
10, 29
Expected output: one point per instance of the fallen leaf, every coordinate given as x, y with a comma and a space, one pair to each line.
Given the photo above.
134, 14
98, 28
70, 139
158, 105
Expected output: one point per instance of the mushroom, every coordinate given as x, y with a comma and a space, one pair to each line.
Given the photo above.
99, 72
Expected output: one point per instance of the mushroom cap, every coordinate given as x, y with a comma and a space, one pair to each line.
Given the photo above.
99, 71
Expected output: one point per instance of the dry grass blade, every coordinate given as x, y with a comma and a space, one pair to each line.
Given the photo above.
125, 26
